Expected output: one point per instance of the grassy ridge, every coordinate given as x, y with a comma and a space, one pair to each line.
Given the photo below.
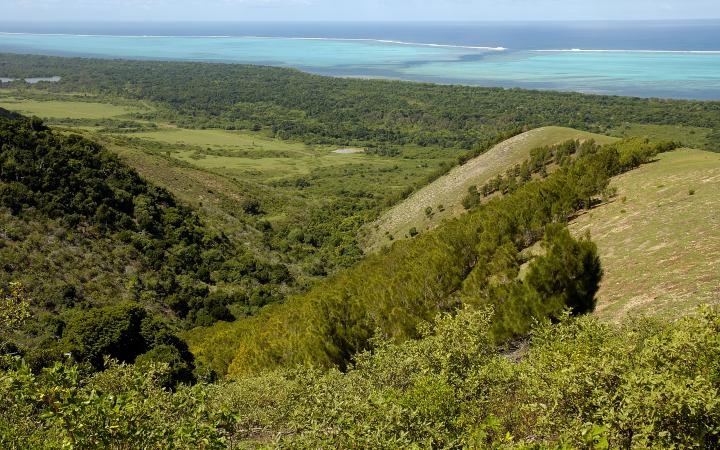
444, 195
659, 238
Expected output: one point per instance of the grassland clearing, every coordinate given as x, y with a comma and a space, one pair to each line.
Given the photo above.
65, 109
659, 239
442, 199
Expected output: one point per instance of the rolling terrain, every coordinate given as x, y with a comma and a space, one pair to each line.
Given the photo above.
288, 201
444, 196
181, 265
657, 237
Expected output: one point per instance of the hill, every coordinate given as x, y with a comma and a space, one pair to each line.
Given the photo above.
442, 199
472, 260
263, 140
83, 232
464, 337
659, 238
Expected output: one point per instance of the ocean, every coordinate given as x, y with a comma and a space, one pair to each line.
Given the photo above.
646, 59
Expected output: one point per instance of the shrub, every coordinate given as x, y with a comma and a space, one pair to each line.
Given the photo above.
123, 333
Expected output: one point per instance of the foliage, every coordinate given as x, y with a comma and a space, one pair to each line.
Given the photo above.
123, 407
45, 175
474, 260
124, 333
14, 308
568, 274
370, 113
577, 384
422, 346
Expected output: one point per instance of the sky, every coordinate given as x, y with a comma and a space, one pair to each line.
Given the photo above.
355, 10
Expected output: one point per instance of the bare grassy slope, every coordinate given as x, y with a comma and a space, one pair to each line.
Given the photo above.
449, 190
659, 239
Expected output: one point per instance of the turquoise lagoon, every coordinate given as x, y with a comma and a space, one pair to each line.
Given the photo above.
647, 73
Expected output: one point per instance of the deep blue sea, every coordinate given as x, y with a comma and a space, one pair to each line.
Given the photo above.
648, 59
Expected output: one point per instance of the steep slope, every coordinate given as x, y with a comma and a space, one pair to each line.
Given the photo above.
444, 196
80, 229
659, 239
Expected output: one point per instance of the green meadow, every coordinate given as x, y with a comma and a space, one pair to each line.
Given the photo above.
61, 109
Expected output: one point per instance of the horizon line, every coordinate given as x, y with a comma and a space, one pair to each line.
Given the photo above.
449, 21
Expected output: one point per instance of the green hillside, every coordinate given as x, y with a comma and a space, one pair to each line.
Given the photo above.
444, 196
659, 238
475, 259
82, 231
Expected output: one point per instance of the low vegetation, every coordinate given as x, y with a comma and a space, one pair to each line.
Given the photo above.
443, 198
658, 237
645, 384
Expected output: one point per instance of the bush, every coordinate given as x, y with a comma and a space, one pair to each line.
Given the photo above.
123, 333
579, 383
124, 407
568, 274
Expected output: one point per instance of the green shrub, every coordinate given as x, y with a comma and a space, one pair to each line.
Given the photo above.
124, 333
580, 383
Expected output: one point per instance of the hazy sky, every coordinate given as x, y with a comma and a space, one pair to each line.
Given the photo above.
324, 10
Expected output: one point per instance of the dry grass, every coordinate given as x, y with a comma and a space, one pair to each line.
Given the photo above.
450, 189
660, 244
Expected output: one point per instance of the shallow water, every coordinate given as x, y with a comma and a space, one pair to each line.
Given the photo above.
676, 71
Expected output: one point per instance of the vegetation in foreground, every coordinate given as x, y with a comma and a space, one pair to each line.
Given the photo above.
579, 383
363, 359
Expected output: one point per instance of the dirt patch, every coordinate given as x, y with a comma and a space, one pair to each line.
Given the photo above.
349, 151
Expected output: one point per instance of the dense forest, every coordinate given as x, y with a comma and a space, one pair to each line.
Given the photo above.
316, 109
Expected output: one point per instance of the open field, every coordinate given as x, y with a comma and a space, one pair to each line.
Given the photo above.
659, 239
58, 109
244, 155
219, 139
444, 196
254, 156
